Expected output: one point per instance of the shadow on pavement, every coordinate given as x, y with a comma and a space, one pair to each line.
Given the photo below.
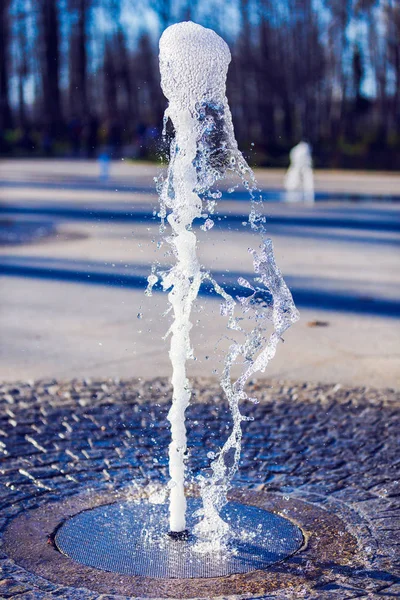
125, 185
135, 277
94, 212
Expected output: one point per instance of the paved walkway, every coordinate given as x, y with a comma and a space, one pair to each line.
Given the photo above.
72, 304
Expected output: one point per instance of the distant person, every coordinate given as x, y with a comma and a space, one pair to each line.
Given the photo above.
299, 180
104, 164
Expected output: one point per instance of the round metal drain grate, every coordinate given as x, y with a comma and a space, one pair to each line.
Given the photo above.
130, 538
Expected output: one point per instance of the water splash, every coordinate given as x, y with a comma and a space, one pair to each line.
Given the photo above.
299, 179
194, 63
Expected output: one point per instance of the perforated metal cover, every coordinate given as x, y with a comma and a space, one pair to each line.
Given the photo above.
130, 538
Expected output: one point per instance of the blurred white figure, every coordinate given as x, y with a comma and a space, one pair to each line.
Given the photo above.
299, 180
104, 164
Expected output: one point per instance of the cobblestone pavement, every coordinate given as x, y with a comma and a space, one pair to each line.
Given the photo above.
330, 445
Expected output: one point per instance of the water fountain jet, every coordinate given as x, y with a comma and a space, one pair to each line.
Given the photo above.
194, 64
299, 179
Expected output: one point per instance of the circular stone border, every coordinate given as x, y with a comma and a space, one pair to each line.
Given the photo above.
29, 541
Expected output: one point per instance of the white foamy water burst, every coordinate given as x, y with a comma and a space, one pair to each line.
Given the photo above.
299, 179
194, 63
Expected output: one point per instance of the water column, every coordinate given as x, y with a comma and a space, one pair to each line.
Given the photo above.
184, 279
193, 64
299, 179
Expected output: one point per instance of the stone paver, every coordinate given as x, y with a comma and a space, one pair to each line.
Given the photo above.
330, 445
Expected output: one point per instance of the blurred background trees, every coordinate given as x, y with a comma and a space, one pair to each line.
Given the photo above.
80, 75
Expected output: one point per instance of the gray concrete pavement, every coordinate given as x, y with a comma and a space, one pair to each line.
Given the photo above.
69, 304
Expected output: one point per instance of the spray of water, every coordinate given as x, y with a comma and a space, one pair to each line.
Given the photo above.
194, 63
299, 179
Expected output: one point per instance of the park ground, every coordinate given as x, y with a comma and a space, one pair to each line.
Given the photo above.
72, 302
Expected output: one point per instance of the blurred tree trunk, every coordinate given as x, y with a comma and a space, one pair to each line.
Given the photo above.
50, 34
78, 92
245, 63
395, 47
267, 80
22, 59
124, 77
393, 40
82, 55
189, 10
110, 82
150, 99
164, 9
341, 12
377, 45
5, 110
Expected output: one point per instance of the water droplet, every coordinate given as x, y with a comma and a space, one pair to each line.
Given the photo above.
208, 224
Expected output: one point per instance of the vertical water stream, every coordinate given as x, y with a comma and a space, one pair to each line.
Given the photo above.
194, 63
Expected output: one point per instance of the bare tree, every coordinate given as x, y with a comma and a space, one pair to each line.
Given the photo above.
50, 58
5, 110
21, 53
392, 14
78, 57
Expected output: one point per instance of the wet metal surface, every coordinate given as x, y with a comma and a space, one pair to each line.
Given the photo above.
131, 538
